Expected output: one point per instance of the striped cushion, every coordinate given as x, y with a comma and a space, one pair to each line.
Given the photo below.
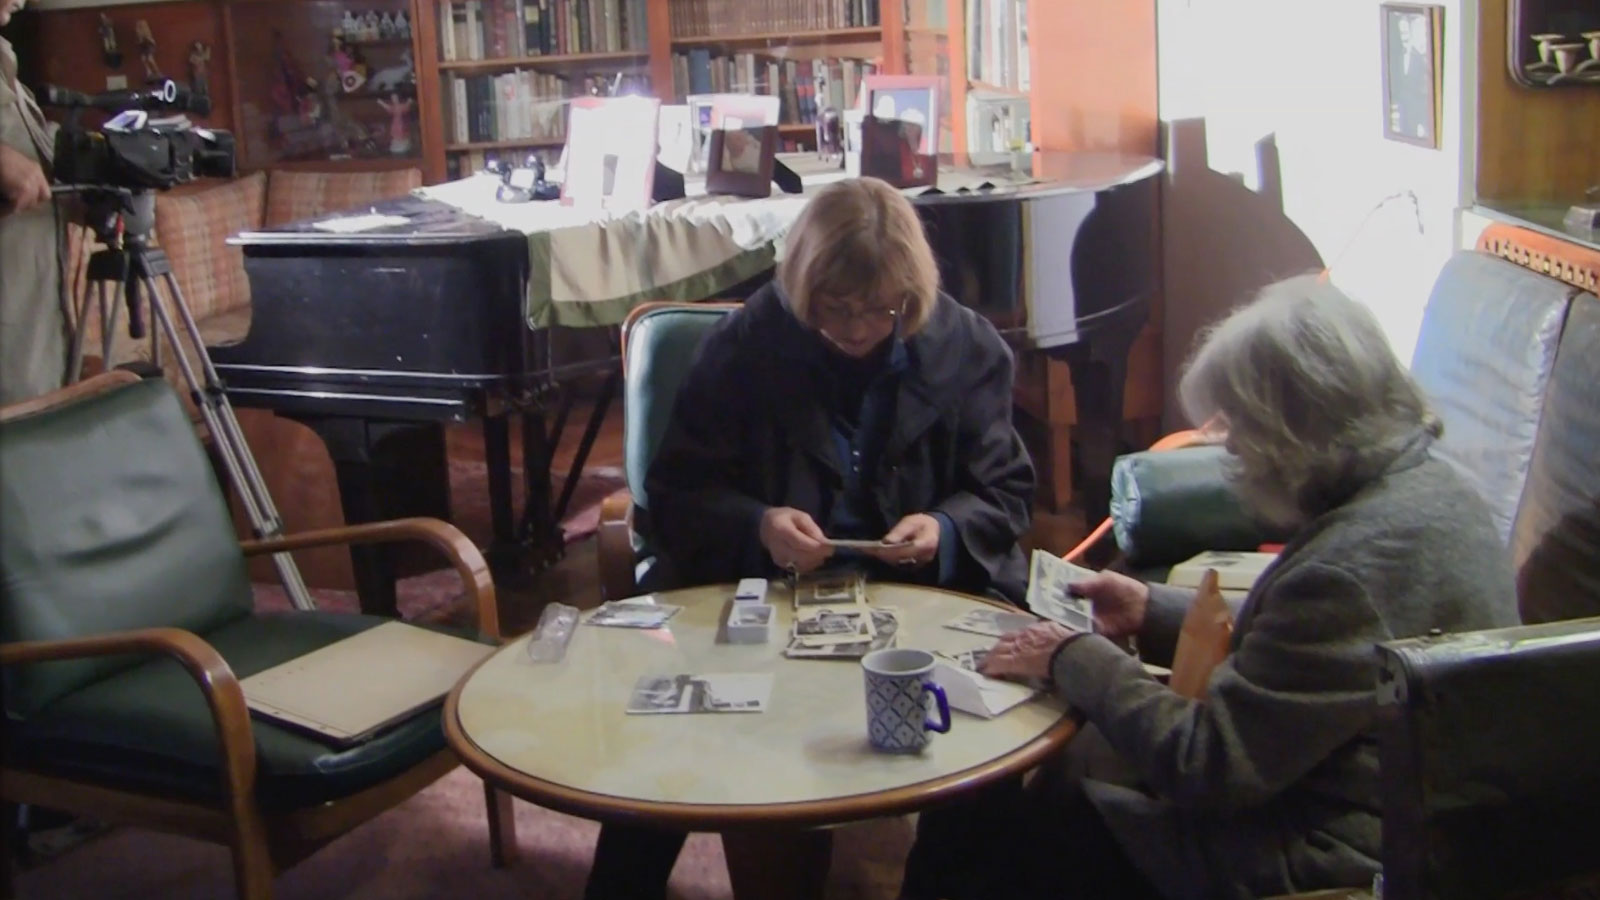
293, 196
194, 226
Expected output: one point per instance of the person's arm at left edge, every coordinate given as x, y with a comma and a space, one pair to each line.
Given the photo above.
23, 184
991, 507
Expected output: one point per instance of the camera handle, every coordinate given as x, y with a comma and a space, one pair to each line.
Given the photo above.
131, 267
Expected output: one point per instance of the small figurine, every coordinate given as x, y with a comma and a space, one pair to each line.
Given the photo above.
402, 25
108, 43
386, 27
399, 132
147, 49
390, 78
369, 26
349, 27
199, 66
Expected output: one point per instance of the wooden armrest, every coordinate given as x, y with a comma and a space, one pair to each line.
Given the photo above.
216, 679
72, 393
457, 547
614, 546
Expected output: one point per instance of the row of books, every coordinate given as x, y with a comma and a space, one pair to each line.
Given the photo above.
997, 43
519, 105
802, 86
501, 29
701, 18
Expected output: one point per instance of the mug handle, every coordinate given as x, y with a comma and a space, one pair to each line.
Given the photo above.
943, 725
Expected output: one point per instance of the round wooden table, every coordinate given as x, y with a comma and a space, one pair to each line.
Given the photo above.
558, 735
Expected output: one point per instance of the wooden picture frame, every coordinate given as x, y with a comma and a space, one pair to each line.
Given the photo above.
911, 98
610, 154
1412, 35
740, 161
890, 150
704, 119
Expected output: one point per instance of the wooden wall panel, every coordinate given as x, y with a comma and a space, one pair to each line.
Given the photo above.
1535, 146
71, 57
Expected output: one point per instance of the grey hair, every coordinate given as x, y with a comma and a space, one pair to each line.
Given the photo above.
1313, 399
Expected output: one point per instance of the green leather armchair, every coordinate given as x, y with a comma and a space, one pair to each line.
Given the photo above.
659, 341
127, 621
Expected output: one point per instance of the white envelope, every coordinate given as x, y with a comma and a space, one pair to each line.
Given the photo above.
974, 694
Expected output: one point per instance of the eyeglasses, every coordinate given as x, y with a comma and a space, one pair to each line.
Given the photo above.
841, 316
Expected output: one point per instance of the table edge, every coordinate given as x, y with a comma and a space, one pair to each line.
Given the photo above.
745, 816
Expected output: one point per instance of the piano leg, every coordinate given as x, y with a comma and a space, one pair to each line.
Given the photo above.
504, 554
385, 470
540, 533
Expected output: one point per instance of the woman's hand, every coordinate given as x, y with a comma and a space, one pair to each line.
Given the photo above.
1119, 602
22, 183
1026, 654
916, 538
793, 539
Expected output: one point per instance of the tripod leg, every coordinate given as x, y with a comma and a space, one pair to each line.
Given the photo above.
79, 326
206, 388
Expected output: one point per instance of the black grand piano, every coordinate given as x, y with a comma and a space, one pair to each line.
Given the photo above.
377, 338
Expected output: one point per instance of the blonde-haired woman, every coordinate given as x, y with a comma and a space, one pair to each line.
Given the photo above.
848, 399
1269, 785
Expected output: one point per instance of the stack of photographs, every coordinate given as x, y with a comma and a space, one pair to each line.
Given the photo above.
831, 589
841, 632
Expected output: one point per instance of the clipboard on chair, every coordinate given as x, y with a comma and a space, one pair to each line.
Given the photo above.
354, 688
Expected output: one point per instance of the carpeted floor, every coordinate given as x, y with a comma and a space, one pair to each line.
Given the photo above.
434, 845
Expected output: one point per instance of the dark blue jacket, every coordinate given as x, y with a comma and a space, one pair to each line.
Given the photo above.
751, 430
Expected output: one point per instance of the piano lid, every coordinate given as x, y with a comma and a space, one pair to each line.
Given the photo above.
426, 222
1039, 174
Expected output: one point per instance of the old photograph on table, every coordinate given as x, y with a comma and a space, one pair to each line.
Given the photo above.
688, 693
829, 625
991, 622
633, 614
885, 625
966, 659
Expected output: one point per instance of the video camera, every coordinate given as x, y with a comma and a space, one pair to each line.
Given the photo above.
135, 150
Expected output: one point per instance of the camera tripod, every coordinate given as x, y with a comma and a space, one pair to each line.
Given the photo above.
130, 269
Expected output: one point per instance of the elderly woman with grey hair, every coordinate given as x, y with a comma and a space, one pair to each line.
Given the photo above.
1270, 784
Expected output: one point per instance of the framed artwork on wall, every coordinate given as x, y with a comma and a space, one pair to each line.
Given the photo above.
1554, 43
1412, 74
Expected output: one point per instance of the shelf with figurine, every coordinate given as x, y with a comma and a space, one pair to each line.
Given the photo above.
319, 80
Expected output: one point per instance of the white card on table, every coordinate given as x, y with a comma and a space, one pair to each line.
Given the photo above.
991, 622
974, 694
636, 613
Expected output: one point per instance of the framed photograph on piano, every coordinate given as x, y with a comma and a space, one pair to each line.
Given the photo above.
908, 98
741, 160
611, 152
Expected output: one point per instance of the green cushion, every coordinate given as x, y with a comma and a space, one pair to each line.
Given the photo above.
149, 729
661, 346
110, 520
1167, 506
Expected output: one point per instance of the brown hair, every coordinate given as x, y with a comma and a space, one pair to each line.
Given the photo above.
860, 239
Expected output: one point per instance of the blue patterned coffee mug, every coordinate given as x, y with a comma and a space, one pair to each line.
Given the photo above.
898, 685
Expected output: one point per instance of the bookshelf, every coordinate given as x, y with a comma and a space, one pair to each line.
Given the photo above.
489, 88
